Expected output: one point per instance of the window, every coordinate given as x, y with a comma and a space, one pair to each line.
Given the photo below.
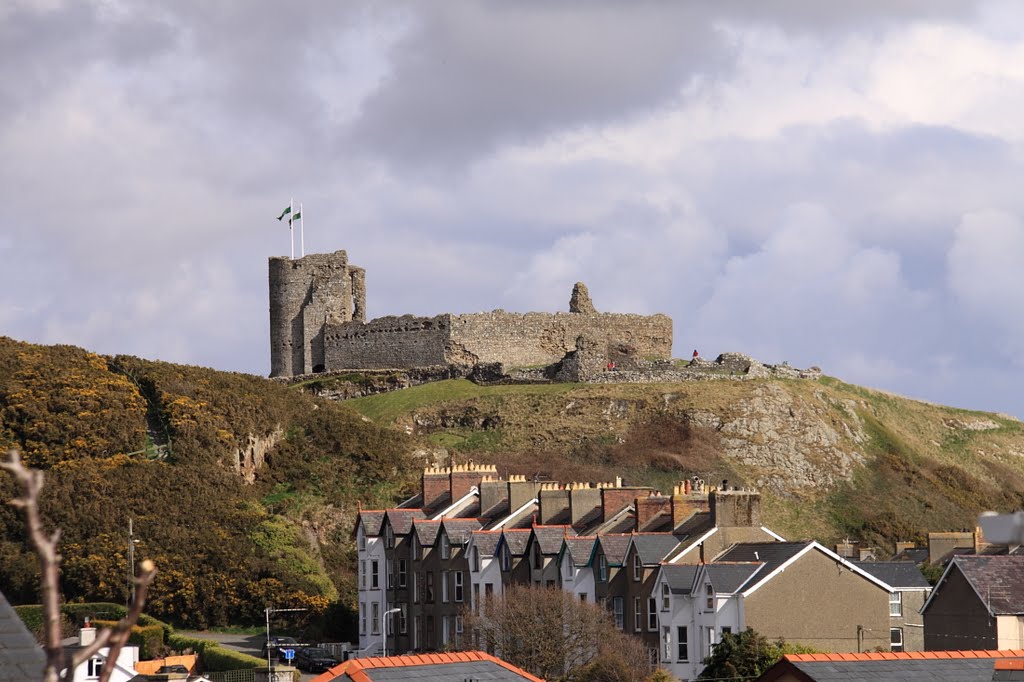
362, 541
709, 592
476, 597
549, 584
458, 625
638, 568
506, 559
618, 608
444, 586
362, 574
417, 587
429, 593
403, 568
375, 618
652, 614
666, 642
488, 590
602, 568
896, 604
583, 597
403, 618
475, 560
93, 668
417, 549
362, 618
638, 614
458, 585
537, 558
417, 631
726, 630
665, 597
391, 574
389, 537
374, 574
896, 639
445, 632
446, 546
682, 645
710, 640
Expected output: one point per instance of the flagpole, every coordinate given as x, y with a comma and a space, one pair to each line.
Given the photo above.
291, 227
302, 231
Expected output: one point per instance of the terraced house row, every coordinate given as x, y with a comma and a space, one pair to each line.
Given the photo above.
675, 570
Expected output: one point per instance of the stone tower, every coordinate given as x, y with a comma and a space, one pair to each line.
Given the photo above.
305, 295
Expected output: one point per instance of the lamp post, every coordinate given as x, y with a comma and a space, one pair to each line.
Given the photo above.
269, 610
384, 628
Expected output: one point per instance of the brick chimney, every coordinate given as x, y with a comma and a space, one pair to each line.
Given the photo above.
554, 503
615, 497
584, 504
686, 501
520, 491
649, 507
435, 487
902, 545
735, 508
466, 476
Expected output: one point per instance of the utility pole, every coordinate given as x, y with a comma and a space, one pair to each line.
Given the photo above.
131, 563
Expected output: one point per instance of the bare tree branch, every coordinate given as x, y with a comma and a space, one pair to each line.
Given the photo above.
58, 664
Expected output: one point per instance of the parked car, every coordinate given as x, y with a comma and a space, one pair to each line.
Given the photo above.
314, 659
176, 668
277, 643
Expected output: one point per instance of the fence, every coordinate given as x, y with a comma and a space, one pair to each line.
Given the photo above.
254, 676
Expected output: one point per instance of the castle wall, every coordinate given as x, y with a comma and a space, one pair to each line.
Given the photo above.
304, 294
525, 339
387, 342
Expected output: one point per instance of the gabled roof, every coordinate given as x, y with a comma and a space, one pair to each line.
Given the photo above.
654, 547
401, 519
486, 541
728, 578
371, 520
20, 657
997, 580
580, 548
942, 666
458, 530
426, 531
516, 539
440, 667
691, 544
902, 575
550, 537
614, 546
680, 577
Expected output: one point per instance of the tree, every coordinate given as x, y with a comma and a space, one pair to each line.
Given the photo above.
552, 634
746, 655
59, 665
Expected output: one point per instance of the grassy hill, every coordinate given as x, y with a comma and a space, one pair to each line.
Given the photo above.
833, 460
243, 491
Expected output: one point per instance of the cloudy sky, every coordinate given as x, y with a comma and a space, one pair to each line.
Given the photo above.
832, 184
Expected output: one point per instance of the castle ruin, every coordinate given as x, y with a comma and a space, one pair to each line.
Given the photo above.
318, 323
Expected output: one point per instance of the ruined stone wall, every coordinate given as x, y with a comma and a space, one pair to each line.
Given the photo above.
305, 293
387, 342
525, 339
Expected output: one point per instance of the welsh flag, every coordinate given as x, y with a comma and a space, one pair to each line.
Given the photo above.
297, 216
284, 213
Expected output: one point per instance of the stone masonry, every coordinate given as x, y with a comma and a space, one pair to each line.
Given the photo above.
317, 323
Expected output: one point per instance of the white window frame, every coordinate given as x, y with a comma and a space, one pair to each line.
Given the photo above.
390, 565
362, 574
709, 594
362, 619
619, 612
666, 597
374, 618
362, 540
403, 570
638, 568
93, 668
602, 568
374, 574
506, 559
666, 639
638, 614
446, 546
459, 583
652, 614
682, 644
475, 559
444, 587
893, 644
896, 603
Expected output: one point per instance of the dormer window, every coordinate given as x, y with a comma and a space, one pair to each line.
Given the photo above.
537, 558
602, 568
475, 560
638, 567
446, 546
417, 549
506, 559
362, 540
709, 591
389, 537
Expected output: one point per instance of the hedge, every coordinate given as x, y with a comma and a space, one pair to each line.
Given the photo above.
149, 638
215, 658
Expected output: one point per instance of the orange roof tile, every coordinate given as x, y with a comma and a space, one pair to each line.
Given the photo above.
1005, 654
355, 667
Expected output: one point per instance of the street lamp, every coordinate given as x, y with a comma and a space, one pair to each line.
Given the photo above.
384, 628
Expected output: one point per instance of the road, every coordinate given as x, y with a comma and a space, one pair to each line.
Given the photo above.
247, 644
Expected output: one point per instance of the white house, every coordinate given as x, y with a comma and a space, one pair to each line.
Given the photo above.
90, 670
575, 566
372, 568
484, 567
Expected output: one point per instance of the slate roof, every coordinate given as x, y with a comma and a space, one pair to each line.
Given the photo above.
942, 666
614, 546
372, 520
727, 578
771, 554
998, 580
486, 541
426, 531
458, 530
680, 577
919, 555
654, 547
401, 519
20, 657
516, 540
581, 548
550, 537
899, 574
440, 667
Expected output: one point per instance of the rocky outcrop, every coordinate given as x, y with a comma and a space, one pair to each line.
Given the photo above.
251, 456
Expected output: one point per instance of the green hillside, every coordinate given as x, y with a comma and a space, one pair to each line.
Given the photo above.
230, 527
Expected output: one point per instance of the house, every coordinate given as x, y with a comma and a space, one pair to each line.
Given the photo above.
978, 603
910, 590
441, 667
123, 668
21, 658
644, 555
798, 591
941, 666
575, 567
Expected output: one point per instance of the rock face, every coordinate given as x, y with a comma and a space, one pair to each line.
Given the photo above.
251, 456
580, 301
